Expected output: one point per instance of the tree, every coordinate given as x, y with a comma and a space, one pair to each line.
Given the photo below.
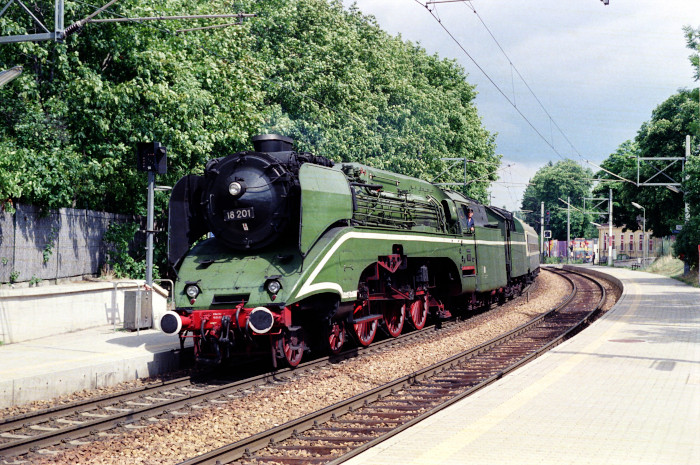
662, 136
326, 76
689, 238
554, 182
692, 37
71, 121
347, 90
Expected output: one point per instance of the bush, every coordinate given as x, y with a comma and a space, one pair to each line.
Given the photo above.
687, 241
119, 237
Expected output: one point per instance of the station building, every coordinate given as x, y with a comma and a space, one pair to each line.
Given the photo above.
630, 244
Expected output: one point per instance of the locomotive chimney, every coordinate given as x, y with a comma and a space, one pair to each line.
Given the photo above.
272, 143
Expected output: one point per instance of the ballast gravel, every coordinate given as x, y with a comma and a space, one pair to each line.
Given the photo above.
205, 429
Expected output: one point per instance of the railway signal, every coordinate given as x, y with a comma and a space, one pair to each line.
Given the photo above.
151, 157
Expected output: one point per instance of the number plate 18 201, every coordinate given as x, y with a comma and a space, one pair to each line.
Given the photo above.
239, 214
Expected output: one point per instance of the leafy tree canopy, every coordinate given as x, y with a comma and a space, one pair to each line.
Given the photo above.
692, 37
309, 69
662, 136
552, 184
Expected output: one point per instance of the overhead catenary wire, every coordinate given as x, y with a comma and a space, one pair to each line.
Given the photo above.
79, 24
512, 101
483, 71
532, 92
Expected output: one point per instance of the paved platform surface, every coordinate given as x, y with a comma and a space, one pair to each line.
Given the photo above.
624, 391
87, 359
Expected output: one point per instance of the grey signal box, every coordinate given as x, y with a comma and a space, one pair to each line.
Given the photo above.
138, 310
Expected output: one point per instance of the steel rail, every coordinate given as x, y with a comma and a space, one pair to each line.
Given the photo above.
18, 421
245, 447
45, 439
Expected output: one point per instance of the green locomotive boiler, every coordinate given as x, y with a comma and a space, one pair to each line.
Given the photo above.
303, 254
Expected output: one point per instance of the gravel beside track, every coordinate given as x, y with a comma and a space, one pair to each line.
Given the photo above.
206, 429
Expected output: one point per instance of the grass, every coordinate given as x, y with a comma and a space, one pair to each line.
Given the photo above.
673, 268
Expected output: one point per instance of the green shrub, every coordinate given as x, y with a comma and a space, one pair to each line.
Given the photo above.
123, 263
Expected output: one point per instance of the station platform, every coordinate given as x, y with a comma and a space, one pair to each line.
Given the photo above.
92, 358
626, 390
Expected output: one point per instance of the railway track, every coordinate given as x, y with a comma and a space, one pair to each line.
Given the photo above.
339, 432
81, 422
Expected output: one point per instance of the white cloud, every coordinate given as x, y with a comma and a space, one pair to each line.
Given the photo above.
599, 70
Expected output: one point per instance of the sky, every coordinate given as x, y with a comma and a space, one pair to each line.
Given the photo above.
597, 71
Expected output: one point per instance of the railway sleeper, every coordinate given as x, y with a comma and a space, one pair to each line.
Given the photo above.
321, 450
366, 422
286, 460
385, 414
404, 408
339, 440
367, 431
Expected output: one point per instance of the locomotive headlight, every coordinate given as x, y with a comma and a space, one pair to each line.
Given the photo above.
192, 291
273, 286
236, 189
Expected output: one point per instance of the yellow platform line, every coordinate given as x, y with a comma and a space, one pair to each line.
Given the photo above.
453, 445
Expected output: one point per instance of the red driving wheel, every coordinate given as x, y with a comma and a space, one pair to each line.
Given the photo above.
291, 348
336, 336
365, 332
394, 317
419, 312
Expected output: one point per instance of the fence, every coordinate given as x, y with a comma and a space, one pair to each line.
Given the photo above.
35, 245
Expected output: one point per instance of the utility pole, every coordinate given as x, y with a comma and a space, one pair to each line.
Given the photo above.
687, 159
610, 227
541, 231
686, 262
57, 34
569, 247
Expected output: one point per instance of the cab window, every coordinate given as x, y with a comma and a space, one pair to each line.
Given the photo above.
462, 218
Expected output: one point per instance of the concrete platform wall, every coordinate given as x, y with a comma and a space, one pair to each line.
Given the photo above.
33, 313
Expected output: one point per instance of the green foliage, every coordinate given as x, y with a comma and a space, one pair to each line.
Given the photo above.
552, 182
309, 69
687, 242
14, 276
70, 122
119, 237
662, 136
328, 77
48, 248
692, 37
345, 89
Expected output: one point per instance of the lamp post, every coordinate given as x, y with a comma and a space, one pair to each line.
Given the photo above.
644, 231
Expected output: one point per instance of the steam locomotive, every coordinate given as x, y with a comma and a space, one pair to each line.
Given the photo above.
304, 254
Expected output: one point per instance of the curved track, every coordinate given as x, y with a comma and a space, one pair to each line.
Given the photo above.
77, 423
341, 431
